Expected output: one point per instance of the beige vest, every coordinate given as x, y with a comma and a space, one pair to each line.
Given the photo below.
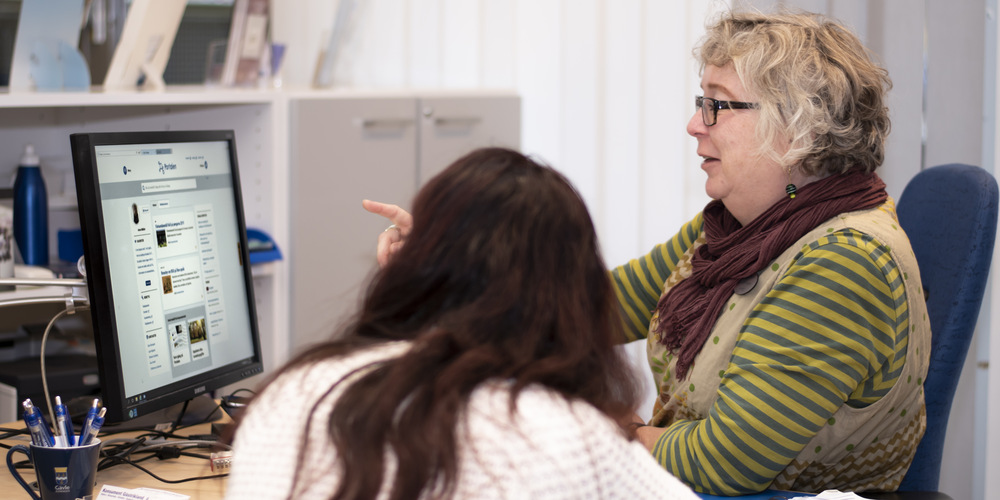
860, 448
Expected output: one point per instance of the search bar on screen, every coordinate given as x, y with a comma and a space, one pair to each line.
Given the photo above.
121, 152
171, 185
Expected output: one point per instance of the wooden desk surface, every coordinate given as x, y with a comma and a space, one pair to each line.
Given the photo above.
127, 476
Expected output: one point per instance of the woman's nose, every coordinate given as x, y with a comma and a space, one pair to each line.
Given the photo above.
696, 126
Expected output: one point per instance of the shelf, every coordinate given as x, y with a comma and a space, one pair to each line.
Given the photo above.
175, 95
202, 95
31, 289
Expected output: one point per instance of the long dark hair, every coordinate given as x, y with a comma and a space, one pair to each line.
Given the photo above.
500, 278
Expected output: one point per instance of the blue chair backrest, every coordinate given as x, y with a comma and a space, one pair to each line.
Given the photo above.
949, 213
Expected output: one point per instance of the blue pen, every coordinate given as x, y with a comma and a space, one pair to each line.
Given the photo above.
87, 434
39, 429
91, 414
64, 424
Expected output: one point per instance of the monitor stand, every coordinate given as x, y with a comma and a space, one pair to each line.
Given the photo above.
199, 410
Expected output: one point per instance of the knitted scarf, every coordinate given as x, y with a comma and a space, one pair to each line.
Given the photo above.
687, 313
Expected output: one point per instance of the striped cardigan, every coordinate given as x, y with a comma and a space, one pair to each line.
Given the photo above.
799, 368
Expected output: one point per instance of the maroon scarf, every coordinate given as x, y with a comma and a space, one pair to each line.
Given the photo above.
733, 252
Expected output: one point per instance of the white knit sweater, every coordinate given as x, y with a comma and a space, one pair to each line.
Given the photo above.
551, 448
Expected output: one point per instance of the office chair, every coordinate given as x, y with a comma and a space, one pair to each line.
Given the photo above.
949, 213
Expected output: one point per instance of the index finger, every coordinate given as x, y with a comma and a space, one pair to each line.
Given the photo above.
401, 218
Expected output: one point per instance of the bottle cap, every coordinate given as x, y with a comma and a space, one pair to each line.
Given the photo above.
29, 158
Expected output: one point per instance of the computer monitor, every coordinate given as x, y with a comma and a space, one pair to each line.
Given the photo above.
167, 268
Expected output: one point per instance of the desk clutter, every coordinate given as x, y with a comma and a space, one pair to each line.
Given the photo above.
175, 459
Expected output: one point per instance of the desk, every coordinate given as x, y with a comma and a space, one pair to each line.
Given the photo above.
764, 495
780, 495
127, 476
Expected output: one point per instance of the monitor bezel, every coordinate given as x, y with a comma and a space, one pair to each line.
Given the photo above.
115, 399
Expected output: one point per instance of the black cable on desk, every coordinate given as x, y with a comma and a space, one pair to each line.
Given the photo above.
125, 451
162, 480
147, 433
9, 433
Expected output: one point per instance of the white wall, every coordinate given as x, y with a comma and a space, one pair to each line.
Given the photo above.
607, 87
987, 394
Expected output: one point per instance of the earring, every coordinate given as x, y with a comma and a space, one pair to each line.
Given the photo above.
790, 188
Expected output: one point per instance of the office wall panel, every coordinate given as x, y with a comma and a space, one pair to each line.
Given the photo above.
538, 31
497, 48
380, 36
461, 60
581, 100
423, 50
618, 211
667, 155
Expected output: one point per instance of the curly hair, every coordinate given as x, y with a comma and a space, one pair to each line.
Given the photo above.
817, 85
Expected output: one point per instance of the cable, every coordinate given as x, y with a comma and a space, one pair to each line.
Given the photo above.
6, 433
242, 389
125, 448
45, 384
168, 481
115, 454
180, 416
191, 443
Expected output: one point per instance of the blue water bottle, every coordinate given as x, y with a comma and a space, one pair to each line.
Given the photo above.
31, 211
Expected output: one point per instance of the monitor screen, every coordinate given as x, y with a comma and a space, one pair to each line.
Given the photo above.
168, 275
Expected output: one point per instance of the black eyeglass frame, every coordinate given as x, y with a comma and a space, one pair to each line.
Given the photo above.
717, 105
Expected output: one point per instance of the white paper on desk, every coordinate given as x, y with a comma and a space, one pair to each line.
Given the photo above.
833, 495
109, 492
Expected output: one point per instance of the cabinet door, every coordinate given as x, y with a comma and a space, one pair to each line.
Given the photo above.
342, 151
452, 126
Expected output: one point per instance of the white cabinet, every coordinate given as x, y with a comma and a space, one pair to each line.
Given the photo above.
379, 147
450, 126
343, 150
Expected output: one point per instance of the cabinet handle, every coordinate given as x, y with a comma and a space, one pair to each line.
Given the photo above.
458, 121
382, 122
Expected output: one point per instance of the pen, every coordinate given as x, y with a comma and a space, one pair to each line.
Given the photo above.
64, 425
88, 433
91, 413
40, 433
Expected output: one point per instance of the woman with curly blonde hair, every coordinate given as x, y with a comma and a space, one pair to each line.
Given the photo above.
785, 324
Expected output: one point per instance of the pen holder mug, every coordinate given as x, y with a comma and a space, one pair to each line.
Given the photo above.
65, 473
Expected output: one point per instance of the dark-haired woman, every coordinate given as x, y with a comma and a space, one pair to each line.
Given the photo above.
481, 364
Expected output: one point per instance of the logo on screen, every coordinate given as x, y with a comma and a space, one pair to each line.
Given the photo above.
166, 166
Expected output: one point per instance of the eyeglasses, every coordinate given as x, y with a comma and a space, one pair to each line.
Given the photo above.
710, 108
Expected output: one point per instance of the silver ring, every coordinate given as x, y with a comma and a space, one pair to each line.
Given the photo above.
393, 226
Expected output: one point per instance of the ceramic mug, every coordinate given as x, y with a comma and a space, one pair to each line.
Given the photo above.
64, 473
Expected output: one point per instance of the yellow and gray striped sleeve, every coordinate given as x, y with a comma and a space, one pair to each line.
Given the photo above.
832, 331
639, 283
